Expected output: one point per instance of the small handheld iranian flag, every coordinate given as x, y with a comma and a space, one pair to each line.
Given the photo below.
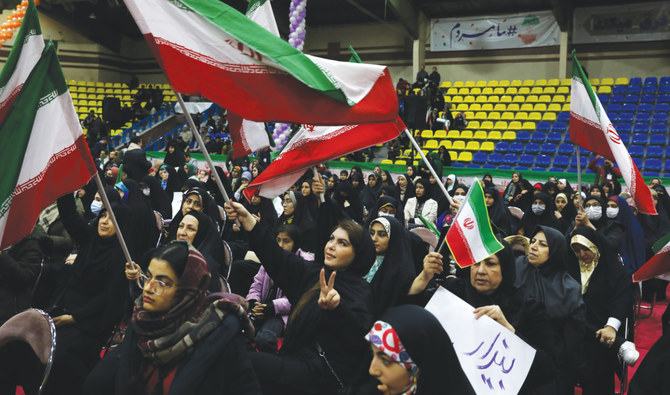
471, 237
659, 264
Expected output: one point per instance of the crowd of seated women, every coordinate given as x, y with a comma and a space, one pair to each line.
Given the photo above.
300, 295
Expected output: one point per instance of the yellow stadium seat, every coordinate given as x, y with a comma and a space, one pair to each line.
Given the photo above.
506, 99
528, 82
537, 90
549, 116
127, 98
469, 84
473, 124
465, 156
513, 107
532, 99
528, 125
117, 85
511, 91
605, 81
509, 135
463, 91
492, 83
75, 102
514, 125
524, 90
487, 146
544, 99
466, 134
541, 83
469, 115
426, 134
487, 91
568, 99
566, 82
554, 107
387, 162
549, 90
481, 115
90, 83
519, 99
82, 110
493, 99
101, 97
503, 83
488, 107
534, 116
458, 84
499, 91
500, 107
472, 146
453, 134
90, 89
73, 94
541, 107
553, 82
416, 91
526, 107
559, 99
458, 145
596, 81
81, 83
605, 89
469, 99
475, 107
100, 84
500, 125
462, 107
475, 91
494, 135
401, 162
516, 83
481, 99
431, 144
480, 84
82, 115
445, 143
507, 116
452, 91
494, 115
566, 107
521, 116
488, 125
457, 99
445, 84
453, 155
440, 134
108, 84
479, 135
563, 90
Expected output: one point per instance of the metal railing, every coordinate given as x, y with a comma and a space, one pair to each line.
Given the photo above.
143, 125
160, 144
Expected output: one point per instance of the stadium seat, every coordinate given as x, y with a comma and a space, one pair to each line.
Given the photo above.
465, 156
470, 84
667, 165
636, 150
663, 98
431, 144
526, 160
644, 107
472, 146
501, 107
659, 128
479, 157
554, 137
663, 89
427, 134
636, 89
510, 159
472, 166
566, 148
543, 126
572, 170
453, 134
582, 161
625, 127
547, 148
638, 162
386, 162
625, 138
555, 170
487, 146
513, 107
649, 89
559, 127
504, 167
534, 116
613, 116
644, 117
500, 125
563, 116
626, 117
641, 127
616, 89
466, 134
615, 98
446, 144
566, 107
502, 147
654, 151
507, 116
401, 162
538, 137
532, 148
635, 81
660, 117
495, 135
479, 135
549, 116
458, 145
651, 174
640, 138
521, 116
665, 80
563, 90
528, 125
543, 160
508, 135
495, 158
523, 136
488, 166
657, 139
488, 125
561, 161
648, 99
440, 134
613, 107
516, 147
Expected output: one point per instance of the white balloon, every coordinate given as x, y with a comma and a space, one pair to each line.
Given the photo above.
291, 19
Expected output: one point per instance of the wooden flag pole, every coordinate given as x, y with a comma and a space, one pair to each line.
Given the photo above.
430, 167
579, 177
316, 175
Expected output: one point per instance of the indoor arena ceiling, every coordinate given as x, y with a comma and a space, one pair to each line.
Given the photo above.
104, 21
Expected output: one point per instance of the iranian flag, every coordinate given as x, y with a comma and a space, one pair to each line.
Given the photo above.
43, 150
26, 52
659, 264
206, 47
313, 145
470, 237
591, 128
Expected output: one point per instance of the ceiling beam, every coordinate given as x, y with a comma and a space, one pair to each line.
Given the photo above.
407, 14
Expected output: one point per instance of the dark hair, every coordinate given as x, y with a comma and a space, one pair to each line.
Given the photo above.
292, 232
135, 139
355, 231
346, 173
175, 254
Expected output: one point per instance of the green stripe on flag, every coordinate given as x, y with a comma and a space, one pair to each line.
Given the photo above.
579, 75
29, 27
354, 56
265, 43
430, 226
658, 246
44, 84
477, 202
254, 5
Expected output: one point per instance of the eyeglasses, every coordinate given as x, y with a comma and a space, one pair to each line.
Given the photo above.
161, 286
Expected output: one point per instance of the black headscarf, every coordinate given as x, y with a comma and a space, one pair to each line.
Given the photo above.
426, 190
302, 218
388, 190
370, 193
523, 200
361, 185
530, 220
501, 218
389, 179
175, 159
173, 182
383, 202
208, 242
344, 192
550, 185
159, 200
143, 219
213, 189
265, 209
409, 189
209, 207
603, 196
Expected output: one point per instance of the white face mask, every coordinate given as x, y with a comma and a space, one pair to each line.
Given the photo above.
594, 213
459, 198
146, 192
538, 209
382, 214
96, 206
612, 212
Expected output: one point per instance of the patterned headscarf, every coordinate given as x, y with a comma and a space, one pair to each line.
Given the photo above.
384, 337
586, 269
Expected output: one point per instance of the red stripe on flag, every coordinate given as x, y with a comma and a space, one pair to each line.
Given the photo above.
658, 264
589, 135
265, 94
236, 134
459, 246
68, 170
7, 104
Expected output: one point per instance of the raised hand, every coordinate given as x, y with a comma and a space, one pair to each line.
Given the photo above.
132, 271
236, 211
495, 313
329, 298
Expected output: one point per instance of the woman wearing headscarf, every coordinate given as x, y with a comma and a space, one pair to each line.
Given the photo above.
543, 276
451, 181
309, 198
550, 188
405, 188
565, 212
357, 184
607, 292
174, 155
213, 188
156, 196
168, 179
412, 174
420, 205
632, 247
143, 220
542, 212
421, 361
179, 340
386, 179
594, 216
321, 352
597, 190
196, 199
371, 191
348, 201
297, 213
513, 189
387, 206
524, 196
499, 215
332, 183
262, 208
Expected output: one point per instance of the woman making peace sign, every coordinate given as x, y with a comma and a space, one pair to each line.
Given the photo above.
323, 347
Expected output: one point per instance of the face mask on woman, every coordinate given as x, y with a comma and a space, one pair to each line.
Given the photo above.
538, 209
594, 213
459, 198
146, 191
96, 206
612, 212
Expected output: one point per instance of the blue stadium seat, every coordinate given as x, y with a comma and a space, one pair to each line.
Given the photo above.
488, 166
641, 127
561, 161
605, 98
559, 127
554, 137
651, 81
495, 158
636, 150
472, 166
572, 170
625, 138
635, 81
548, 148
659, 128
667, 164
626, 117
556, 170
651, 174
646, 107
516, 147
664, 89
532, 148
479, 157
523, 136
526, 160
457, 164
648, 98
521, 168
660, 116
543, 160
629, 107
566, 148
544, 126
510, 159
636, 89
619, 89
505, 167
653, 164
502, 147
643, 117
565, 116
657, 139
624, 127
664, 98
665, 80
662, 107
613, 116
614, 107
538, 169
615, 99
638, 162
640, 138
538, 137
654, 151
582, 161
588, 171
649, 90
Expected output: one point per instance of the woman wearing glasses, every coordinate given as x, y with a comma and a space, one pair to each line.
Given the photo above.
179, 341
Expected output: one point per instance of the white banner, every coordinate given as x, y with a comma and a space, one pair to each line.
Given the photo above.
622, 23
538, 29
495, 360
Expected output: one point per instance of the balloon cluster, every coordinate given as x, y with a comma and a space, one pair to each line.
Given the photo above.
296, 38
13, 22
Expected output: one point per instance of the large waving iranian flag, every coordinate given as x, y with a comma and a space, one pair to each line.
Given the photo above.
43, 150
591, 128
206, 47
27, 49
471, 237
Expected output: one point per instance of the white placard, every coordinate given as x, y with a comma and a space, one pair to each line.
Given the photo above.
495, 360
